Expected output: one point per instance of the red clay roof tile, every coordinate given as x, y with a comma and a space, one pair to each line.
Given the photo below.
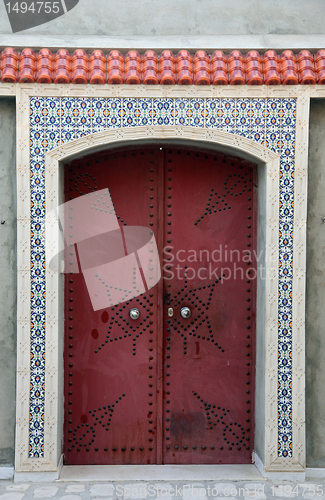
167, 68
319, 59
133, 68
236, 68
149, 69
62, 67
202, 70
9, 65
288, 68
254, 73
219, 70
80, 65
271, 68
97, 68
306, 70
184, 68
115, 67
44, 65
27, 66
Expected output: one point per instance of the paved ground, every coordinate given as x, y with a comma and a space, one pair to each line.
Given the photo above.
186, 490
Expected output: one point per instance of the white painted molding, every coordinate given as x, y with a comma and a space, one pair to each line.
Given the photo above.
299, 278
187, 135
171, 42
23, 281
172, 91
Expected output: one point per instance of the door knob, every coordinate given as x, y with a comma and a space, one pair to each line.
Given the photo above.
185, 312
134, 313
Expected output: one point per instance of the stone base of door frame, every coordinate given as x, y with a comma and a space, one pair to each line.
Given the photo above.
86, 473
240, 472
103, 473
39, 476
278, 476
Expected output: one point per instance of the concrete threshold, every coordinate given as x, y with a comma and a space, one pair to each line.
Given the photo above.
87, 473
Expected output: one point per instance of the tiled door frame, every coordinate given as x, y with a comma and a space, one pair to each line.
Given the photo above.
47, 461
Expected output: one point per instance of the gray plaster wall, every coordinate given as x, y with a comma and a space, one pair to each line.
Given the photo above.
184, 17
315, 306
8, 269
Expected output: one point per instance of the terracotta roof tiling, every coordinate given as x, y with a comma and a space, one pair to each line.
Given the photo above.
167, 68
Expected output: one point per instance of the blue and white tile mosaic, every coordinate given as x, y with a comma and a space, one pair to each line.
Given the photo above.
53, 121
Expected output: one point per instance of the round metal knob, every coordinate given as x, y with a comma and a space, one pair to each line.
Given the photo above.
185, 312
134, 313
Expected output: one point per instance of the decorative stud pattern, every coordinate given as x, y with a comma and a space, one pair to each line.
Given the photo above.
233, 432
54, 121
217, 202
123, 326
199, 315
84, 435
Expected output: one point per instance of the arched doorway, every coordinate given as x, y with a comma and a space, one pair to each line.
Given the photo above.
174, 385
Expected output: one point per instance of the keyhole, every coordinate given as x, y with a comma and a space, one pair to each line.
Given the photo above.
197, 344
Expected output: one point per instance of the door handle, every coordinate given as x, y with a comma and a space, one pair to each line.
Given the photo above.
185, 312
134, 313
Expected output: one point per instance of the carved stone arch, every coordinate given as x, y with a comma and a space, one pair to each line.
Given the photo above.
267, 305
223, 141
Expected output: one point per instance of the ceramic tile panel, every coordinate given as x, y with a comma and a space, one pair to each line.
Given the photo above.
163, 112
54, 120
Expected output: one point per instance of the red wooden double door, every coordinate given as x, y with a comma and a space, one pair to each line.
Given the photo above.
163, 388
